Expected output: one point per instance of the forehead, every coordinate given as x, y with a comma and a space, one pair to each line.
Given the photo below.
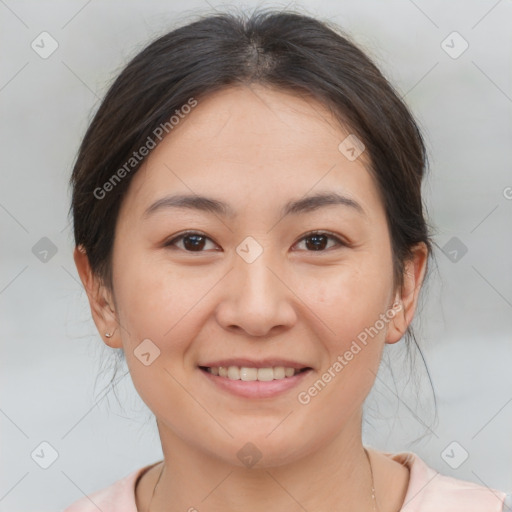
253, 145
260, 121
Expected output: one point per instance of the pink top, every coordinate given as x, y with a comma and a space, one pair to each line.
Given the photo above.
428, 491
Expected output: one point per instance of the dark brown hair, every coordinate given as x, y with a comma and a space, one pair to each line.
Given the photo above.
280, 49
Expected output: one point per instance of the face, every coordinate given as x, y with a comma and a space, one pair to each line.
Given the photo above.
257, 283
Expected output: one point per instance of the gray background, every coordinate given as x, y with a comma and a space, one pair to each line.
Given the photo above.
54, 365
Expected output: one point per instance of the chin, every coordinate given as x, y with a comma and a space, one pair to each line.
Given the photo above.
260, 450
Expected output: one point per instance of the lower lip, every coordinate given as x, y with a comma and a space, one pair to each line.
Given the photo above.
256, 388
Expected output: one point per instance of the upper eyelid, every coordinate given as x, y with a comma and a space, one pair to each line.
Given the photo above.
175, 239
338, 238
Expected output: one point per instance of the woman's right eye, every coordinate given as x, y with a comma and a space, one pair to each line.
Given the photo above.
192, 241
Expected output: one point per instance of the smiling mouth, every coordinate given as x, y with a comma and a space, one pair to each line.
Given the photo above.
252, 374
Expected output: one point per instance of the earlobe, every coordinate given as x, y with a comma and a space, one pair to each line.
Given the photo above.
100, 300
414, 274
396, 327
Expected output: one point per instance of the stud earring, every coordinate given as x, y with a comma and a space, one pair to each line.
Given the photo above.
108, 335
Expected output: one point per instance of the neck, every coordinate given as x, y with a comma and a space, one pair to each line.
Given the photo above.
336, 476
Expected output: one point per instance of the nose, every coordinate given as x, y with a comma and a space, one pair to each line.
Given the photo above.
256, 299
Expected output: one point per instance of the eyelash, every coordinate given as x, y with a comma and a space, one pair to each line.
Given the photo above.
330, 235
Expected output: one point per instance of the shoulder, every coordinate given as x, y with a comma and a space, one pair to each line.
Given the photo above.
117, 497
430, 491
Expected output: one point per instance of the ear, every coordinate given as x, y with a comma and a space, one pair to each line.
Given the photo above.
414, 273
100, 300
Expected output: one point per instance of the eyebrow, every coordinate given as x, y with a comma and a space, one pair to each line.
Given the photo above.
294, 207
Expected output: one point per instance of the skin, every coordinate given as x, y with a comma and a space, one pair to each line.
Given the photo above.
256, 148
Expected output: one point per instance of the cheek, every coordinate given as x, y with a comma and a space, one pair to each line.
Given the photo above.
352, 304
349, 297
150, 294
164, 304
157, 311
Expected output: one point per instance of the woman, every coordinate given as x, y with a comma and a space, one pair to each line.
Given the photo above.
250, 231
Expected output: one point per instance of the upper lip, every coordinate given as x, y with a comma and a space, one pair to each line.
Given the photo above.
253, 363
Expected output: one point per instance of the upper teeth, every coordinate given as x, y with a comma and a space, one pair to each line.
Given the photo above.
246, 373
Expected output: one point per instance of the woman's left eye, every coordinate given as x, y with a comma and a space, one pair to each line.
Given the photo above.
195, 242
319, 240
